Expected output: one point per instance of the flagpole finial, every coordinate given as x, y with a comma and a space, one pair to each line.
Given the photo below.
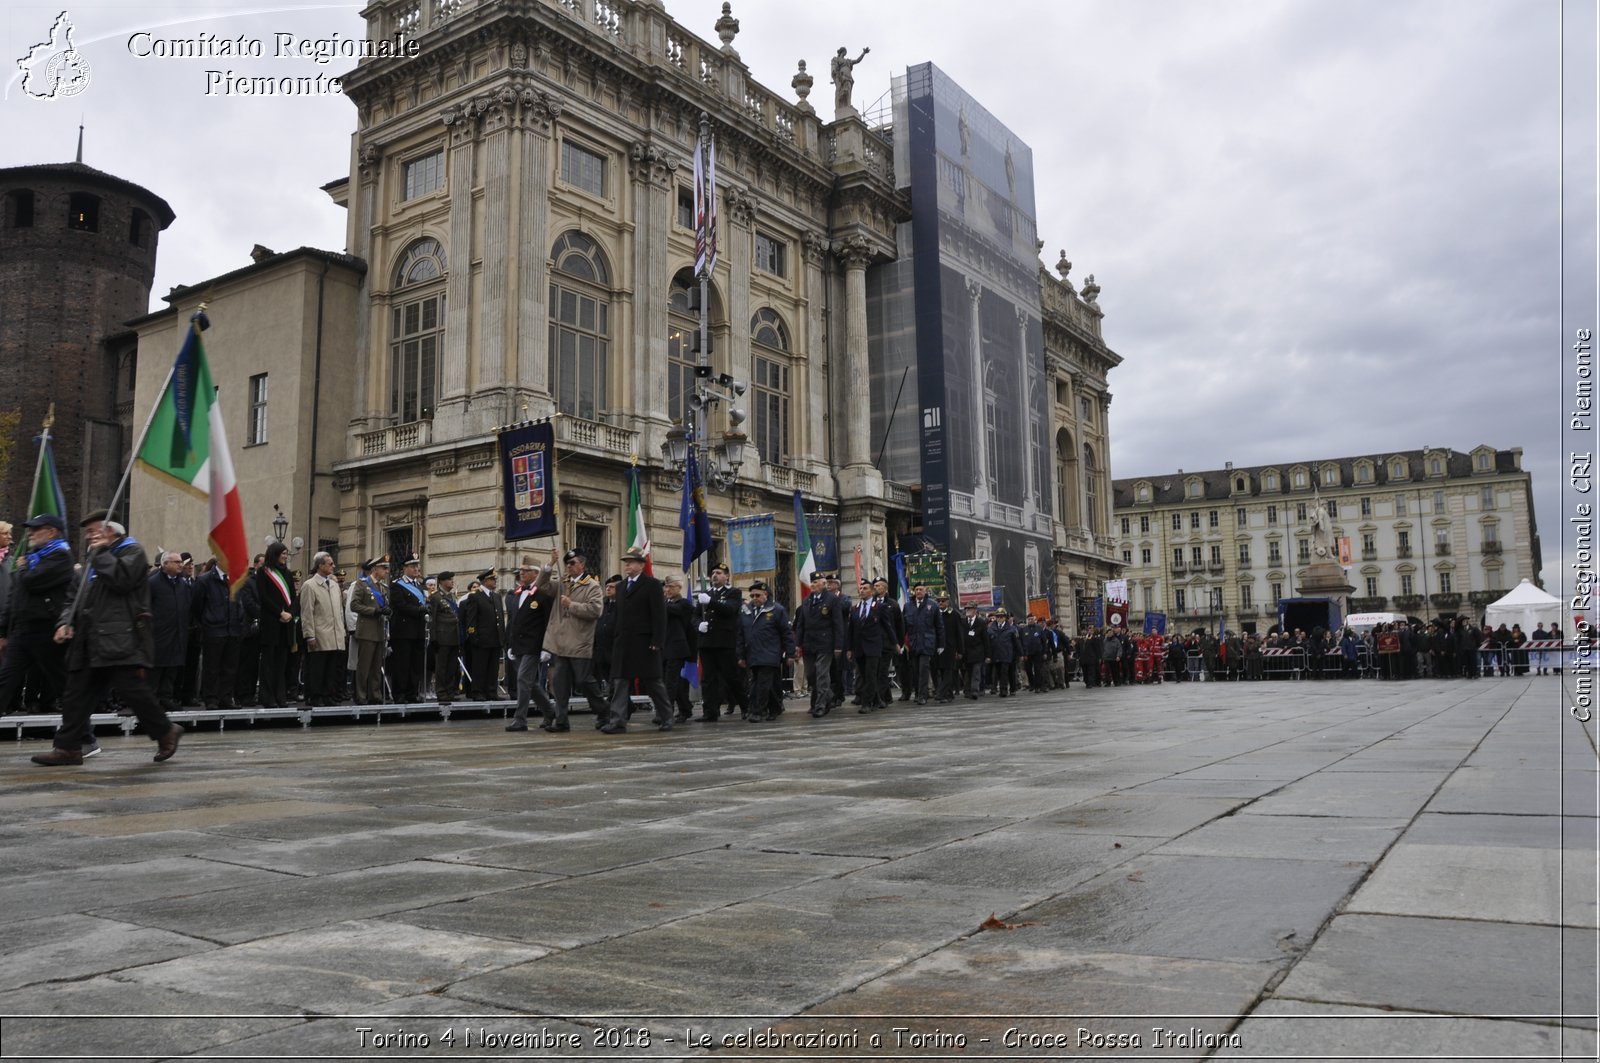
50, 417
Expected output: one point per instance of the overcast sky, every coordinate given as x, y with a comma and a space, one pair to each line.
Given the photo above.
1322, 227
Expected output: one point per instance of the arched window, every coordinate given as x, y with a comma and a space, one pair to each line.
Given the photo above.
580, 325
770, 388
416, 336
83, 212
1090, 491
139, 228
1065, 460
682, 324
19, 209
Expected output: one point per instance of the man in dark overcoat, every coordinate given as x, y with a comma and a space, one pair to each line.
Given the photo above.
637, 648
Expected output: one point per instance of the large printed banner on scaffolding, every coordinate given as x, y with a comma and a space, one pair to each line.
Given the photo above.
752, 547
528, 480
926, 568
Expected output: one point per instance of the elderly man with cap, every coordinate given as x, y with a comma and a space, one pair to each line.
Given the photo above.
408, 633
765, 642
974, 648
444, 630
109, 647
924, 641
721, 682
483, 614
570, 635
172, 609
682, 638
636, 651
529, 610
947, 664
819, 631
41, 587
370, 602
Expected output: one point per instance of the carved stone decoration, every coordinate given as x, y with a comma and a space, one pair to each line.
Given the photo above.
801, 83
398, 516
519, 56
368, 158
816, 246
856, 251
741, 205
344, 480
480, 459
444, 464
1091, 290
727, 28
1063, 264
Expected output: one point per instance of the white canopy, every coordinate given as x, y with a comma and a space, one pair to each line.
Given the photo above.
1526, 605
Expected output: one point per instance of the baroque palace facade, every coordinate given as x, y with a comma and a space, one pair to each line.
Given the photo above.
521, 245
1432, 532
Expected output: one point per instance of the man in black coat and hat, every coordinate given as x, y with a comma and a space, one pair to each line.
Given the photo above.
641, 635
483, 614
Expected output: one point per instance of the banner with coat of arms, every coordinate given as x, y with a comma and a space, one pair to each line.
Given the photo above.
528, 480
752, 547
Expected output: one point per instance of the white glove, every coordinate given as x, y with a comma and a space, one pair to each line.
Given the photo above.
546, 656
705, 626
703, 598
510, 656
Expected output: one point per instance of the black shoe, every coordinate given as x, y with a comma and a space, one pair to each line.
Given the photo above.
612, 729
816, 714
516, 727
168, 744
682, 717
664, 726
921, 701
706, 719
863, 710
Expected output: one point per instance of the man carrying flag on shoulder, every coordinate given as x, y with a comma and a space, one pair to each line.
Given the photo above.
110, 646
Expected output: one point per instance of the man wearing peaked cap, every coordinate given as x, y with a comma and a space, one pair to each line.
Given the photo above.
372, 602
444, 628
41, 587
483, 615
721, 681
408, 634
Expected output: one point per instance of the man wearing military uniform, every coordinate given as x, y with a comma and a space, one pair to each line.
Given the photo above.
947, 663
484, 614
720, 680
370, 602
444, 628
765, 641
819, 631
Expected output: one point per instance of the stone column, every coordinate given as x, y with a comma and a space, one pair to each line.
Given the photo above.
489, 406
811, 427
1030, 495
462, 121
369, 406
537, 114
858, 478
980, 486
654, 183
1104, 454
737, 249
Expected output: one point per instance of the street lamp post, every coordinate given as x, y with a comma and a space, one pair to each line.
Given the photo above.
280, 528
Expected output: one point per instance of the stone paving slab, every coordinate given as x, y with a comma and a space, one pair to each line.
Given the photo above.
1288, 1028
1346, 838
1360, 794
1451, 966
75, 946
1522, 792
1127, 815
1503, 884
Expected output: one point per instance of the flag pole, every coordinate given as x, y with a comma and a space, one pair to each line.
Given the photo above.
198, 323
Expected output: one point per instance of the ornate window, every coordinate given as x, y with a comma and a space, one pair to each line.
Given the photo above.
580, 325
682, 324
770, 388
422, 175
1064, 466
1090, 493
416, 335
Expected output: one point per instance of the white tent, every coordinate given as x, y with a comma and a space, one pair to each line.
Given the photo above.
1526, 605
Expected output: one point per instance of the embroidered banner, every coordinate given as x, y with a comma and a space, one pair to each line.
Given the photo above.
752, 547
528, 474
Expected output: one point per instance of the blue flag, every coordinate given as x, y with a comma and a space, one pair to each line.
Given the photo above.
692, 515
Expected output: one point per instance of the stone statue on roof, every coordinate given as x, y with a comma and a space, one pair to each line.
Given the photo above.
844, 78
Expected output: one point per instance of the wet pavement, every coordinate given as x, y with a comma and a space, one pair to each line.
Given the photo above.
1285, 870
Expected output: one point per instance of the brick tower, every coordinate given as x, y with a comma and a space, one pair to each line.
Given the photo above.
77, 256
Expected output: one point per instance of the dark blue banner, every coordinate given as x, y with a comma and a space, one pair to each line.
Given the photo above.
824, 530
528, 472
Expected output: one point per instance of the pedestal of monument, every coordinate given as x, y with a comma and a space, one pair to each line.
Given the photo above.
1325, 579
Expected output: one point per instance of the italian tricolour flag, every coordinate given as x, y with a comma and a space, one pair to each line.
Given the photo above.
638, 538
186, 443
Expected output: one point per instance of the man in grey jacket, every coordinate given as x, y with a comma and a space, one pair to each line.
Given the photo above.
570, 636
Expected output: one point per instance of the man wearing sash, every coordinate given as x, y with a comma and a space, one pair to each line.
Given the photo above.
407, 633
371, 605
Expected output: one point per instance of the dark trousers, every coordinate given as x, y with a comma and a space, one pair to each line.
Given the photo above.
766, 691
484, 664
872, 680
919, 674
169, 686
249, 670
273, 662
819, 677
446, 673
325, 677
622, 700
569, 675
720, 681
405, 670
189, 692
219, 671
677, 686
38, 653
88, 687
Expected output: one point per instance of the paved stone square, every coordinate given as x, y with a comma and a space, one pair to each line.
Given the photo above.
1334, 870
